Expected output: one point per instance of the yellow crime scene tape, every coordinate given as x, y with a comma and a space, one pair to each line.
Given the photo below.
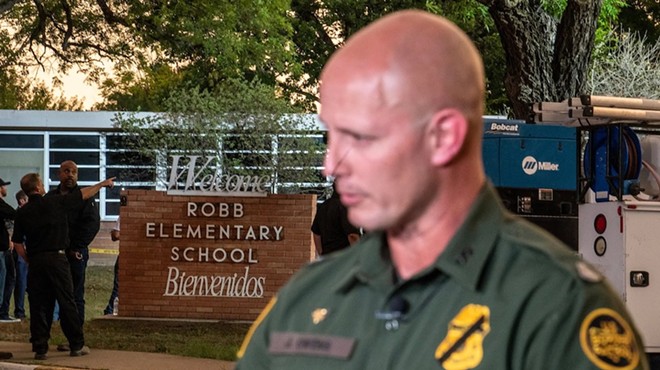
103, 251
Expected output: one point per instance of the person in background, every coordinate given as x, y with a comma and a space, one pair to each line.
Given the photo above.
21, 270
110, 308
83, 224
446, 278
331, 229
8, 355
40, 237
7, 271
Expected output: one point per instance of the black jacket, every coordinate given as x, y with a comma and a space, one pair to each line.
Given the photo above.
40, 225
331, 223
84, 222
6, 213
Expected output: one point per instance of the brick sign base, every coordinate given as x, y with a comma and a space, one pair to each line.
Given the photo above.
209, 257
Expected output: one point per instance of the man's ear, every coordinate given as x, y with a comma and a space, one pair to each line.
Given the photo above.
448, 132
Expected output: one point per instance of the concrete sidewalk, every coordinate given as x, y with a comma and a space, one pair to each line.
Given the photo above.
103, 359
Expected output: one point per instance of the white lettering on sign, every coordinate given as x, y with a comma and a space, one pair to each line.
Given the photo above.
530, 165
219, 255
213, 231
179, 283
503, 127
221, 210
200, 178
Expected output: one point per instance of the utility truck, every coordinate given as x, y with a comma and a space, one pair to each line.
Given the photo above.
588, 170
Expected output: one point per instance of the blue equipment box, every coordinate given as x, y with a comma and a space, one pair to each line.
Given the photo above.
521, 155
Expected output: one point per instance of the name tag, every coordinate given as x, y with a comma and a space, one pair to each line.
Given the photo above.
288, 343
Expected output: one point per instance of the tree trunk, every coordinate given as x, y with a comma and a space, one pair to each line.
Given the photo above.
546, 60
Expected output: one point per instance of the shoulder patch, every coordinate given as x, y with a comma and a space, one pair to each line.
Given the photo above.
608, 340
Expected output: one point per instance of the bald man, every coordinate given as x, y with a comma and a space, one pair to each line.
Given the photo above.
447, 279
84, 223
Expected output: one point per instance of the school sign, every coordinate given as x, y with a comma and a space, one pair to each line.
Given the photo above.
213, 246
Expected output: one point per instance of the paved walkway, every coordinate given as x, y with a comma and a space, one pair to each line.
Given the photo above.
23, 358
103, 359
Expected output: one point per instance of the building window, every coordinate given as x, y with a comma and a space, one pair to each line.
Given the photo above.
69, 141
131, 169
21, 141
100, 152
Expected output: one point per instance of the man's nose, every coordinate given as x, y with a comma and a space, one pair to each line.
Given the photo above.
328, 164
335, 158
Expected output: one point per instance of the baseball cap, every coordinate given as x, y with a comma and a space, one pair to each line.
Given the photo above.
3, 183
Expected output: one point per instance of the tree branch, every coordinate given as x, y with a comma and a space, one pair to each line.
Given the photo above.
573, 46
295, 89
40, 27
36, 57
6, 5
69, 24
100, 50
109, 15
56, 51
526, 35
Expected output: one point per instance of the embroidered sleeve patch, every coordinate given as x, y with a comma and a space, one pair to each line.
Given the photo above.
462, 348
608, 340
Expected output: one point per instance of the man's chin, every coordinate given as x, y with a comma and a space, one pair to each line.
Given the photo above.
364, 220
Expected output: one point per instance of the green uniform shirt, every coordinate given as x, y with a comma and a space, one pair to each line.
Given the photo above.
503, 295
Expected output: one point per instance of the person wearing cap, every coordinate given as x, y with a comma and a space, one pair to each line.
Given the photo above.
7, 213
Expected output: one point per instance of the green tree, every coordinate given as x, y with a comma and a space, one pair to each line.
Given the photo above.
321, 27
17, 92
643, 17
242, 125
210, 41
629, 66
206, 42
548, 46
534, 50
144, 90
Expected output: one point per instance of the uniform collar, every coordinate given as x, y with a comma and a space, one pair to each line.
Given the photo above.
371, 265
463, 260
468, 251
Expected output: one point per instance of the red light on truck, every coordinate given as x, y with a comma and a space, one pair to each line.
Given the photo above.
600, 223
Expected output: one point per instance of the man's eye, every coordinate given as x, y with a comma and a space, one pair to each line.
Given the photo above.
360, 137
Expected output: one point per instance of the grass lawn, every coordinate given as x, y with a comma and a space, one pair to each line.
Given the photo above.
195, 339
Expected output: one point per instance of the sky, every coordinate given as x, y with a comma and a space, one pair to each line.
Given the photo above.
73, 84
